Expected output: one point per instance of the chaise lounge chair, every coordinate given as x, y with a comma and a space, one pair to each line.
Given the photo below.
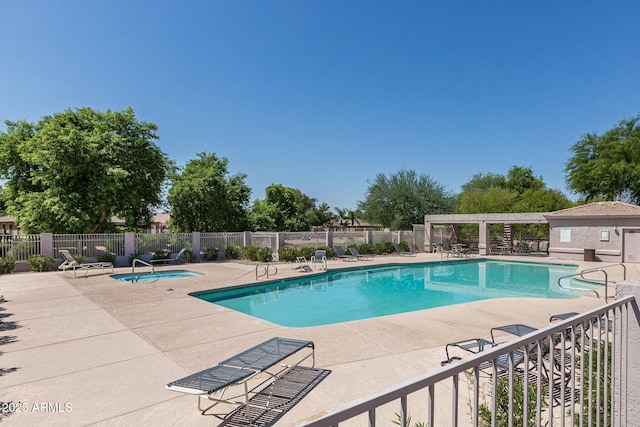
340, 254
357, 254
70, 263
176, 259
301, 264
214, 382
399, 251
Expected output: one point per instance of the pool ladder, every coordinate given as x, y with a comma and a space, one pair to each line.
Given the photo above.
133, 268
266, 270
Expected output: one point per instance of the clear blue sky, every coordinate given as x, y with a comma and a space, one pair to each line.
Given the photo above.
324, 95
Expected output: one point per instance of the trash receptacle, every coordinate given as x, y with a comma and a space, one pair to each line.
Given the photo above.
589, 254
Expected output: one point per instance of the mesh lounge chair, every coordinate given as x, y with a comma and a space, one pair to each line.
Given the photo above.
212, 383
357, 254
399, 251
340, 254
176, 259
70, 263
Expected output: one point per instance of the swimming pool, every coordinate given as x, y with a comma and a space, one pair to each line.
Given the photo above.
157, 275
366, 292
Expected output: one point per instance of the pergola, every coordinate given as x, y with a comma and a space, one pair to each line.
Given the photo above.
483, 221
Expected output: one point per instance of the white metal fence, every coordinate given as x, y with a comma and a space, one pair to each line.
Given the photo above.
90, 245
573, 372
151, 242
124, 245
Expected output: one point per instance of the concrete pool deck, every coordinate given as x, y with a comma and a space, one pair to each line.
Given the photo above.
97, 351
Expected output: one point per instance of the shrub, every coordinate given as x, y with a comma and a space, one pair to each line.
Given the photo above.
307, 251
41, 262
288, 254
382, 248
79, 258
233, 252
211, 254
250, 253
502, 404
7, 264
162, 254
134, 256
593, 386
264, 255
188, 256
404, 246
107, 258
366, 249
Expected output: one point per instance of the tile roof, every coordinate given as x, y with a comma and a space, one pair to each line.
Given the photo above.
599, 209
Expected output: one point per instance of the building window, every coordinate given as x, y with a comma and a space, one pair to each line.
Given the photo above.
604, 235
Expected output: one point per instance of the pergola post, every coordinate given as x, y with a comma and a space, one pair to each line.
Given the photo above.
484, 233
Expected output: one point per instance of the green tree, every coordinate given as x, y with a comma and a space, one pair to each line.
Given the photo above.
71, 172
519, 191
481, 181
403, 198
283, 209
205, 198
491, 200
320, 216
607, 166
520, 179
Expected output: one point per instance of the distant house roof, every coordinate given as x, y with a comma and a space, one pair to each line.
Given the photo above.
599, 210
161, 218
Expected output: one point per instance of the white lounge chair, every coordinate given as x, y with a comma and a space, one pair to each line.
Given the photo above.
175, 259
301, 264
70, 263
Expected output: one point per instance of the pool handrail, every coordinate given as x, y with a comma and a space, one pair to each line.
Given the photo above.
133, 268
605, 283
266, 267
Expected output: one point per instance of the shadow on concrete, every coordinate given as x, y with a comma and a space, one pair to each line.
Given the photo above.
270, 404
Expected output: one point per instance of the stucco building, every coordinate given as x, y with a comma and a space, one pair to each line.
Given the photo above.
601, 231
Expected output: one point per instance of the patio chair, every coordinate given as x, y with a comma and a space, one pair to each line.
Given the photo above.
357, 254
475, 346
70, 263
301, 264
340, 254
399, 251
320, 257
544, 354
176, 259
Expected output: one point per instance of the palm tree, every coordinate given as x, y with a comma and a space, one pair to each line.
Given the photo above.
349, 217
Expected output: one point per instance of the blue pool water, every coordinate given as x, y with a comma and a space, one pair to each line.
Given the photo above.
360, 293
158, 275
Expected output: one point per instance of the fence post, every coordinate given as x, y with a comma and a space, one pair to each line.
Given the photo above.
46, 244
280, 243
330, 239
129, 244
246, 238
195, 245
